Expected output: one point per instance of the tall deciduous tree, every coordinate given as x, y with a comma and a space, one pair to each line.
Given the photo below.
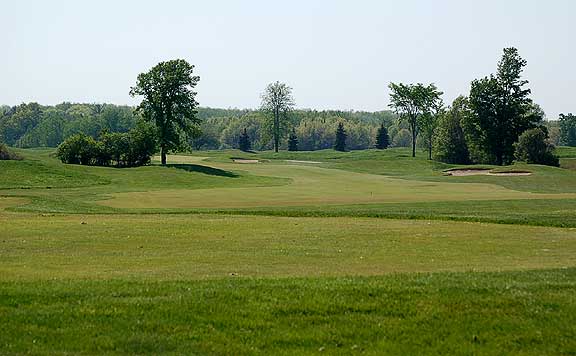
277, 102
169, 102
433, 109
414, 104
502, 109
340, 142
450, 141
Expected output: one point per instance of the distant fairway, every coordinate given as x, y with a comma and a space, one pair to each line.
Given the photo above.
371, 252
312, 185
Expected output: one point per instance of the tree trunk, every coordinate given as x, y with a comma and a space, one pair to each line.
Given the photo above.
163, 155
413, 145
430, 152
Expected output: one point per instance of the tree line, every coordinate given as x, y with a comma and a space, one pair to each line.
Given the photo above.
495, 123
34, 125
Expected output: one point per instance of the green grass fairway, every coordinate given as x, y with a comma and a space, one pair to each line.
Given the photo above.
304, 253
311, 185
173, 247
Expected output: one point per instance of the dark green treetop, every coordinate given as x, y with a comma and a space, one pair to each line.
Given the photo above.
382, 139
502, 109
340, 142
244, 143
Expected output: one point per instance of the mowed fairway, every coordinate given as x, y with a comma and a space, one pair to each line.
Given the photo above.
166, 247
312, 185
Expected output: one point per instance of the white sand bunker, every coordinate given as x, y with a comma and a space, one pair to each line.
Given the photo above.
296, 161
246, 161
484, 172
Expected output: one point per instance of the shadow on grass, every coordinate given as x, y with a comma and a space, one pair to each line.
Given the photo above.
204, 169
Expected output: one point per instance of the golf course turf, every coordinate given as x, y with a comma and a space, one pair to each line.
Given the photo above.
358, 252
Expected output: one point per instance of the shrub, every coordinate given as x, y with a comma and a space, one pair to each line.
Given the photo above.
78, 149
131, 149
6, 154
533, 147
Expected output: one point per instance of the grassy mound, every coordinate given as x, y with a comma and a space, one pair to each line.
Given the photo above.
7, 155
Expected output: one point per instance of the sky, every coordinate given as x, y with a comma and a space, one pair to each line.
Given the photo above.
334, 54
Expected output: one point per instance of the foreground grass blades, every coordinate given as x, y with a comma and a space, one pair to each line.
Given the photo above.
527, 313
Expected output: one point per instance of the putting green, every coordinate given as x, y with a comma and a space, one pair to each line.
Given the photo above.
312, 185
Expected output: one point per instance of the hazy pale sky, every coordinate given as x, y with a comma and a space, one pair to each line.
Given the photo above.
335, 54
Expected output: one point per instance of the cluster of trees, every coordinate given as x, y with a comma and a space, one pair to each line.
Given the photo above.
34, 125
314, 130
485, 127
130, 149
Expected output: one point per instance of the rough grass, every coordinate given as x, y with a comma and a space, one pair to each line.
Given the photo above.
523, 313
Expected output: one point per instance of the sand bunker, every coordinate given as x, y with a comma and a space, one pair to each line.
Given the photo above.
296, 161
246, 161
484, 172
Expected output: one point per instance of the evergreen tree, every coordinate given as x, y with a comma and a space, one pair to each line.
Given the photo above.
293, 141
340, 144
244, 142
382, 140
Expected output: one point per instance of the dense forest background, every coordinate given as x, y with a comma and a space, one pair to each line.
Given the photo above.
34, 125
